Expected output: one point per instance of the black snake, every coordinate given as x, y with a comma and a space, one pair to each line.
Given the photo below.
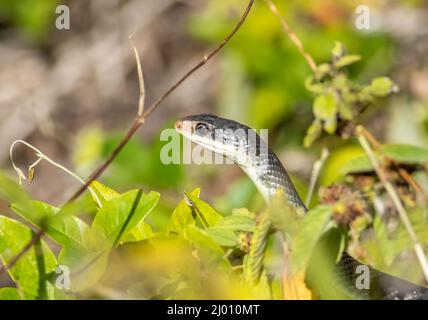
245, 148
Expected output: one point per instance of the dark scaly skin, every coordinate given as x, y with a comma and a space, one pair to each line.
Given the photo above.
269, 175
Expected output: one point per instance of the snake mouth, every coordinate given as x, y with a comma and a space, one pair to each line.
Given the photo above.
178, 125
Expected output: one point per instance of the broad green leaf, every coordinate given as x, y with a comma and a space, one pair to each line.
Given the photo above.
31, 271
86, 267
103, 192
382, 86
240, 220
382, 241
405, 153
201, 239
310, 231
223, 236
262, 289
208, 250
142, 231
65, 229
225, 231
11, 192
121, 214
9, 294
182, 215
347, 60
357, 164
207, 215
401, 153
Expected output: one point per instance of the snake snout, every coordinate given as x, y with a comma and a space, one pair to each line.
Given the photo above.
178, 125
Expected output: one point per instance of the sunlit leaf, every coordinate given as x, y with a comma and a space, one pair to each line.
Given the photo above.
121, 214
310, 231
223, 236
86, 267
182, 215
295, 288
9, 294
347, 60
382, 86
103, 192
206, 214
142, 231
31, 271
66, 229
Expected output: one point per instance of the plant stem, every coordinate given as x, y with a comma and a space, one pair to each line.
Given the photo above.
395, 199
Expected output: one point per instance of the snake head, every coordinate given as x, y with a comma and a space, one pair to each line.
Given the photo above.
227, 137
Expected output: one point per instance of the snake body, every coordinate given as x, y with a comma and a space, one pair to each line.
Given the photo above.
245, 148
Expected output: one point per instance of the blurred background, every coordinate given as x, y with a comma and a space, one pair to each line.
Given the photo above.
73, 93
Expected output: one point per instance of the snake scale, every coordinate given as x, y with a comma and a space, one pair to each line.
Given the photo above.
245, 148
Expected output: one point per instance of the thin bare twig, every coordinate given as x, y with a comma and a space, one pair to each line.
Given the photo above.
315, 174
396, 200
292, 35
138, 121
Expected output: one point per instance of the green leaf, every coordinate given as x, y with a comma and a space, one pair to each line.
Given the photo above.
121, 214
223, 236
9, 294
240, 220
345, 111
103, 192
310, 231
182, 215
325, 106
347, 60
357, 165
330, 125
11, 192
225, 231
86, 267
142, 231
201, 239
402, 153
65, 229
382, 242
405, 153
323, 70
31, 271
338, 50
206, 214
209, 251
314, 87
313, 133
382, 86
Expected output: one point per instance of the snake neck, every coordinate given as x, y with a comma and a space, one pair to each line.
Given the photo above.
270, 176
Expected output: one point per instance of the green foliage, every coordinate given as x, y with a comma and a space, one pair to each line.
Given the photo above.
311, 228
339, 100
401, 154
31, 271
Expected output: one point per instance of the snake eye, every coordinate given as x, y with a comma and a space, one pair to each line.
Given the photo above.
202, 127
